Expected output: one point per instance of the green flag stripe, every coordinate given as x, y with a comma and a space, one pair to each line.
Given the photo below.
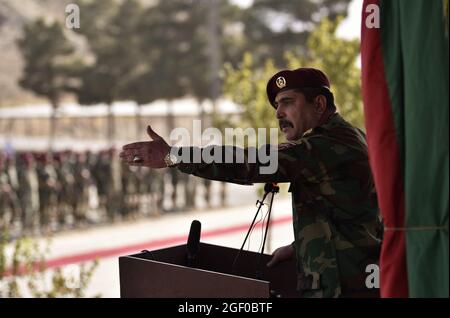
415, 52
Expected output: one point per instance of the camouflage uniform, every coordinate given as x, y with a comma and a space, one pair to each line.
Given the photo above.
8, 202
155, 178
189, 187
113, 186
335, 212
130, 191
175, 180
28, 191
11, 181
100, 174
207, 192
47, 180
82, 177
223, 193
65, 188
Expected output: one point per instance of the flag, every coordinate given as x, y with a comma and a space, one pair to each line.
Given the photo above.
404, 55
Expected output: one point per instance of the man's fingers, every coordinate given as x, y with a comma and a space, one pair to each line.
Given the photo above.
135, 145
123, 154
272, 262
134, 159
133, 155
152, 134
136, 164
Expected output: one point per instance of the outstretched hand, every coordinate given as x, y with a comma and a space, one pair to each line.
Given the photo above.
146, 153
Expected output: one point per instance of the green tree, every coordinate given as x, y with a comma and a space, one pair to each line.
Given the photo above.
177, 50
50, 64
273, 27
176, 45
23, 272
338, 58
103, 79
166, 42
136, 63
246, 84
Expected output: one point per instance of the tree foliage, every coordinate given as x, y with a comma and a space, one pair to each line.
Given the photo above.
49, 60
272, 28
144, 51
338, 58
23, 273
51, 65
246, 84
101, 78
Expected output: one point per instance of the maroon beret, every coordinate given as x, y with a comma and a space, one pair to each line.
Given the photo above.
295, 79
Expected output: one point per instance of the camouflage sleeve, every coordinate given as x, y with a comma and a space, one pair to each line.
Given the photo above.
283, 163
230, 164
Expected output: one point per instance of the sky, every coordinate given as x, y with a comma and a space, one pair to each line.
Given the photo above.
350, 27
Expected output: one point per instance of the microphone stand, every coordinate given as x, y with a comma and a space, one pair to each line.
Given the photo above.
268, 188
274, 189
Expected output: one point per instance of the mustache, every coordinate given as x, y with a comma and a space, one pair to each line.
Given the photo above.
284, 123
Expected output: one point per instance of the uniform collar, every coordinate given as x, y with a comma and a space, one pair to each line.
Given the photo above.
332, 119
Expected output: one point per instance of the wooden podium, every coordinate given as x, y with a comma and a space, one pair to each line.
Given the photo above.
163, 274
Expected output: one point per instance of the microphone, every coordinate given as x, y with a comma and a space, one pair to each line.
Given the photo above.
271, 187
193, 243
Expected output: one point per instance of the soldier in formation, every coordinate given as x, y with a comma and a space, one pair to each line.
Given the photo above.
43, 192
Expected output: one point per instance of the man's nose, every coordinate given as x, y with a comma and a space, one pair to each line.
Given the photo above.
279, 113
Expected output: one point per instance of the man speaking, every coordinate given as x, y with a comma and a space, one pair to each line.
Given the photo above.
335, 212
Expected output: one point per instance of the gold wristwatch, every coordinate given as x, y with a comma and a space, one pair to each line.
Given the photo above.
171, 159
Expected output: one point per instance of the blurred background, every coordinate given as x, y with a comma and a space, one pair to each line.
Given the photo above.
78, 82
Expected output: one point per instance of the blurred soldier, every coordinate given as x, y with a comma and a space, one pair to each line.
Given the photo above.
155, 187
5, 201
174, 176
101, 177
113, 184
9, 204
223, 193
189, 187
65, 188
47, 180
143, 191
94, 204
28, 191
207, 192
125, 197
82, 178
11, 173
130, 198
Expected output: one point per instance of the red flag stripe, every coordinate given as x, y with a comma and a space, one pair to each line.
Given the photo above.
384, 156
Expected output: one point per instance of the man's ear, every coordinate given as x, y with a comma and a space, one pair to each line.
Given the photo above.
321, 104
